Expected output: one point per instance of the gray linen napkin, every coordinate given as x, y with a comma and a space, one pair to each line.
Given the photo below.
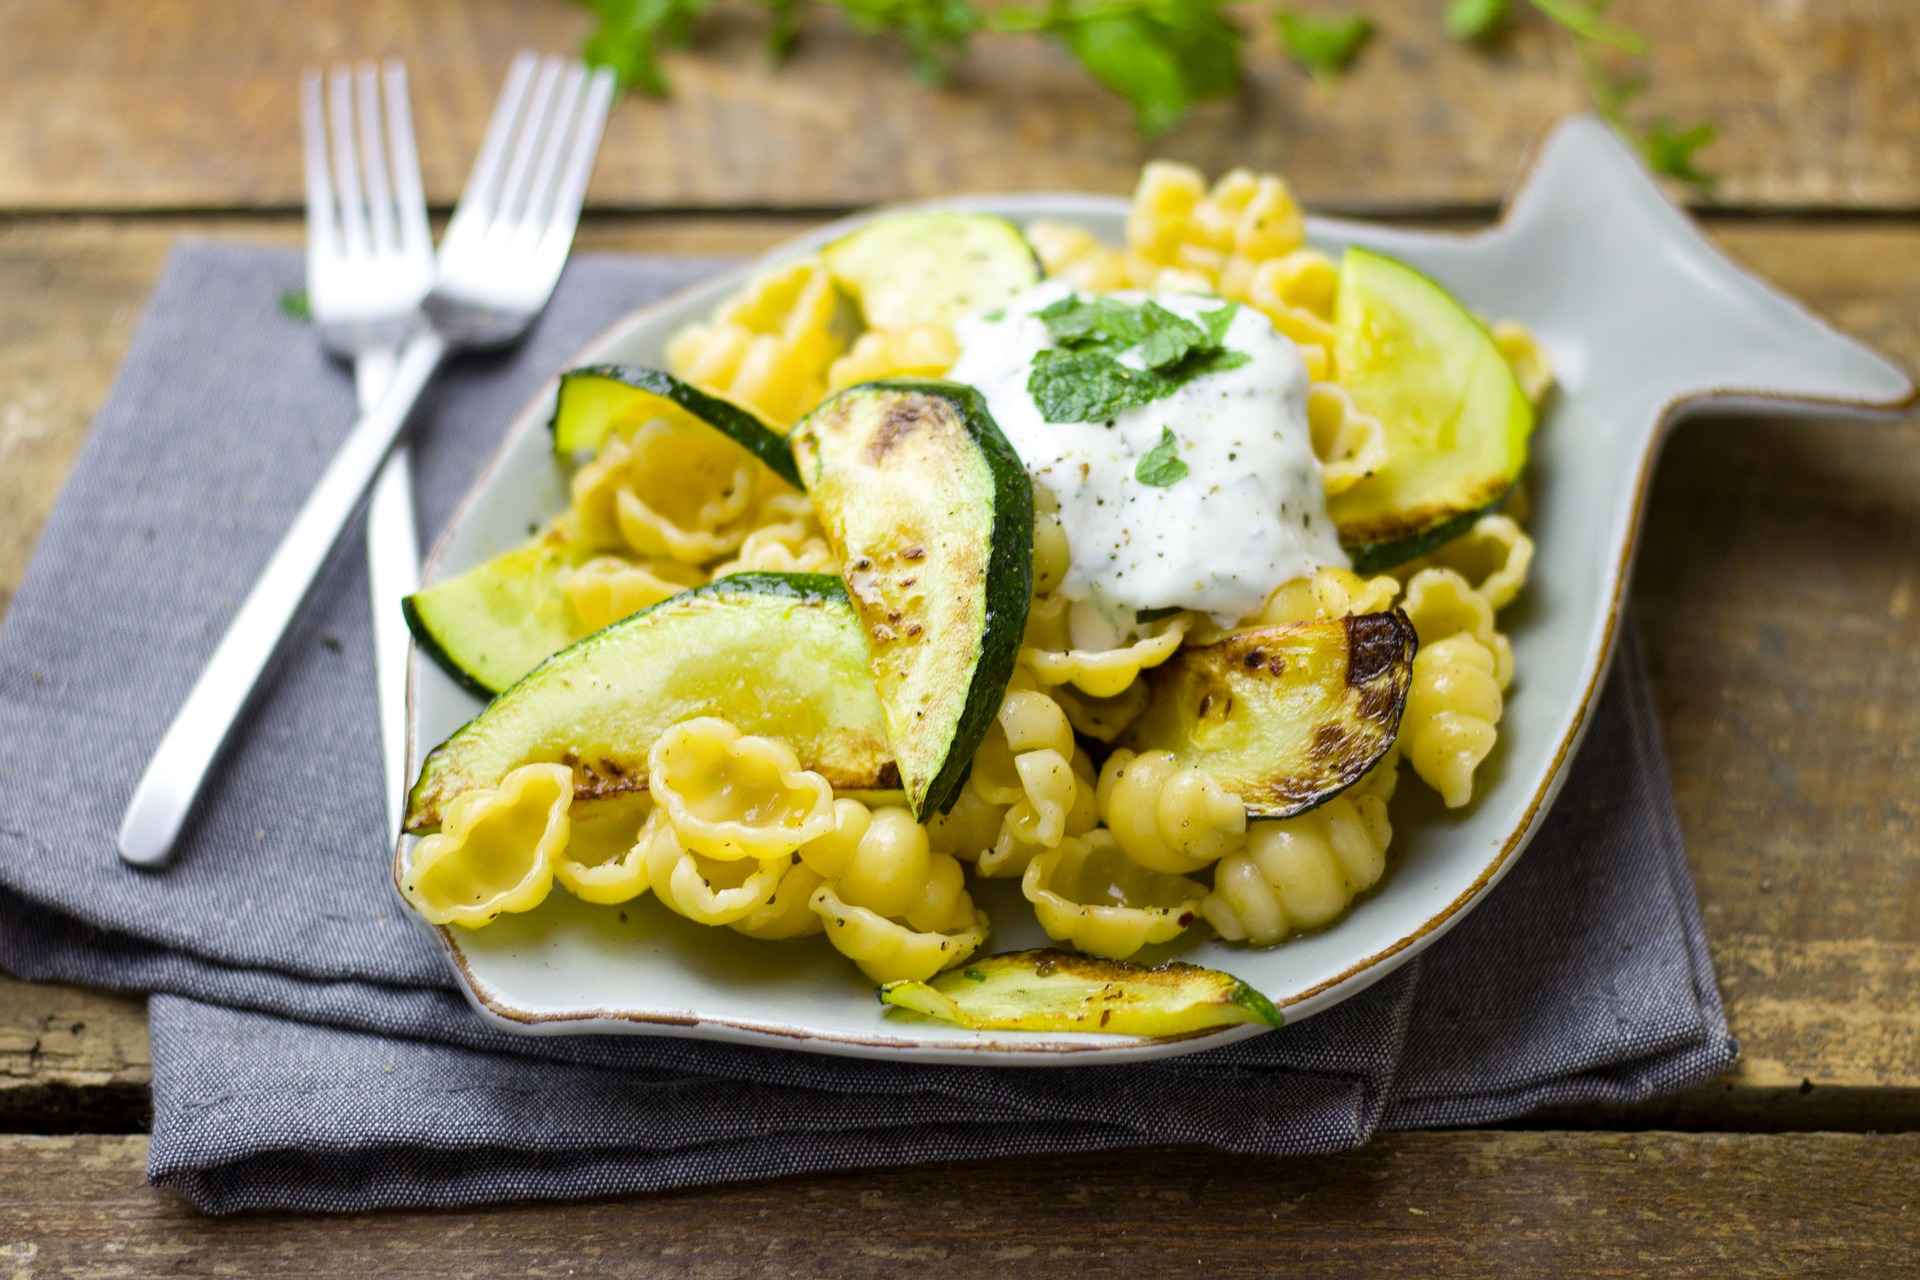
308, 1047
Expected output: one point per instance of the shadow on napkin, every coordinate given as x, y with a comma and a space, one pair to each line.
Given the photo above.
308, 1049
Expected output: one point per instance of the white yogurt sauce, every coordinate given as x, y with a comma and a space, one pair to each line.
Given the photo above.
1250, 514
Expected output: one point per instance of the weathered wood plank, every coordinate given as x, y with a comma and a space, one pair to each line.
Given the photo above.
1776, 592
190, 103
1428, 1205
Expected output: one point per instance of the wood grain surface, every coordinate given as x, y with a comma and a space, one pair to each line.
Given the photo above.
138, 104
1430, 1205
1775, 590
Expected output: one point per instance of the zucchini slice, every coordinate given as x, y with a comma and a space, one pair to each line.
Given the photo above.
1284, 717
777, 654
499, 620
1064, 991
1457, 421
596, 398
931, 513
931, 268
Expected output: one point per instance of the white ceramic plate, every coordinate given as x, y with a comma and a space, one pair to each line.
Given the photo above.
1644, 321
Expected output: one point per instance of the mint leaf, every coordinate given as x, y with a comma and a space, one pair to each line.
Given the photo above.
1323, 46
1161, 466
631, 33
1090, 386
1078, 323
1670, 153
1168, 338
1210, 360
295, 305
1162, 56
1218, 322
1476, 19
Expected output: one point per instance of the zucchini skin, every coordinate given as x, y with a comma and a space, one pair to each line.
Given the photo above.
1378, 557
732, 421
1008, 586
430, 645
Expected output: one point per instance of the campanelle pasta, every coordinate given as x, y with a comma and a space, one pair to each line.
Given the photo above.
494, 851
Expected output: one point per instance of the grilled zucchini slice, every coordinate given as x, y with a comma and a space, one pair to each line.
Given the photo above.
596, 398
1457, 421
777, 654
497, 621
1065, 991
931, 513
931, 268
1284, 717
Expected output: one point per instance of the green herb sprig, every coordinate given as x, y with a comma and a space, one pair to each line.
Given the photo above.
1081, 378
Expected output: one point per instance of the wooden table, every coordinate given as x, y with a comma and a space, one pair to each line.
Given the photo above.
1777, 593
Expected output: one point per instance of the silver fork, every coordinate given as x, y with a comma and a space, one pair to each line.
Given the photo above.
497, 266
369, 266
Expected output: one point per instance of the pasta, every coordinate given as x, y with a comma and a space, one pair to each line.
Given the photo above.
924, 351
889, 901
1495, 555
790, 546
706, 890
671, 490
1297, 293
608, 588
1069, 644
731, 797
1183, 237
770, 347
1527, 358
1299, 873
602, 860
1351, 445
494, 850
1455, 701
1167, 818
1090, 894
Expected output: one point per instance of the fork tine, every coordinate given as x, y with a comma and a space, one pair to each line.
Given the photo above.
513, 187
373, 163
476, 200
572, 188
346, 168
409, 198
322, 230
539, 202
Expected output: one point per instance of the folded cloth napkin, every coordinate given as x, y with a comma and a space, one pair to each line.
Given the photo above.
309, 1049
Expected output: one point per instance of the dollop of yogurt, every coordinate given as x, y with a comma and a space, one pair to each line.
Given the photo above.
1249, 514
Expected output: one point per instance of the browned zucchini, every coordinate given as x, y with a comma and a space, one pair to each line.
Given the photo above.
1065, 991
1284, 717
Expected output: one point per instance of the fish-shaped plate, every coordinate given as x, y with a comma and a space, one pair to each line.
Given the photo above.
1645, 322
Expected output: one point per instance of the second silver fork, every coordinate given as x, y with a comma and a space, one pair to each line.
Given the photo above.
497, 266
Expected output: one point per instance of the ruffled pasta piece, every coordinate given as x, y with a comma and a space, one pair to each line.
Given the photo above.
924, 351
1330, 593
891, 950
791, 546
667, 490
1441, 602
1351, 445
603, 860
1167, 818
1453, 708
1103, 719
1299, 873
494, 851
1064, 644
1051, 555
1184, 237
1526, 357
1494, 556
1074, 254
789, 912
1029, 766
1297, 293
711, 891
607, 588
1088, 893
733, 796
970, 828
770, 346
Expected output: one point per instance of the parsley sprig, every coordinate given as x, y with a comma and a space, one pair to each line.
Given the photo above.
1081, 378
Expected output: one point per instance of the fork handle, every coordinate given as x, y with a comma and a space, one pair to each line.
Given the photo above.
180, 765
